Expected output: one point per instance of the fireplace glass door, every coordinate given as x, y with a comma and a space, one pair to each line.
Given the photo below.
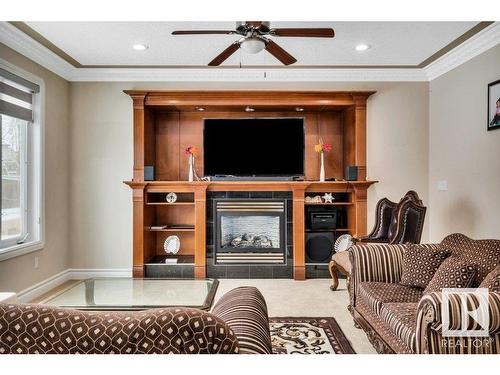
249, 231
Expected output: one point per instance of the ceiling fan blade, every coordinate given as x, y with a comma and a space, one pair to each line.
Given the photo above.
225, 54
279, 53
206, 32
315, 33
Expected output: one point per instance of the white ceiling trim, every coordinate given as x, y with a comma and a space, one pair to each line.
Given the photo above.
22, 43
479, 43
17, 40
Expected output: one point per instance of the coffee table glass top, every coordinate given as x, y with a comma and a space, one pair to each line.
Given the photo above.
135, 294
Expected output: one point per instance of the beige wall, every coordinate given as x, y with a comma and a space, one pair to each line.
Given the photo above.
101, 145
463, 152
19, 273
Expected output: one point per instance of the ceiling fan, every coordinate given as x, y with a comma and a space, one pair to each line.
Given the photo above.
253, 39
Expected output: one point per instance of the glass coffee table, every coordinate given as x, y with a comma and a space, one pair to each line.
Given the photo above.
135, 294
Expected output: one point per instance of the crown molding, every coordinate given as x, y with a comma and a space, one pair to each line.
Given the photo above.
22, 43
247, 75
479, 43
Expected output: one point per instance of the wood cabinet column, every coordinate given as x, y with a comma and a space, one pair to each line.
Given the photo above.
299, 267
360, 201
139, 136
200, 233
360, 135
138, 231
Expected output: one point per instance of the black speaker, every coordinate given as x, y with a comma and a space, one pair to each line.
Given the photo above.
351, 173
149, 173
319, 247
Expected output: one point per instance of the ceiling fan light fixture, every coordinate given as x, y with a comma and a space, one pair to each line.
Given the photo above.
252, 45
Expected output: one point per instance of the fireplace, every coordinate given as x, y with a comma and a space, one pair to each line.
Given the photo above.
249, 231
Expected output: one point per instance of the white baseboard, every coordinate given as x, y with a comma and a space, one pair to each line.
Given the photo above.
79, 274
46, 285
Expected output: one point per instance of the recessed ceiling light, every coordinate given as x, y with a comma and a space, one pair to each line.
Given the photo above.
199, 109
362, 47
299, 109
140, 47
249, 109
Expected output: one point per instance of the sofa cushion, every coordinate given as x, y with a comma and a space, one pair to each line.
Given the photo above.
375, 294
420, 264
492, 280
453, 273
31, 329
401, 319
484, 254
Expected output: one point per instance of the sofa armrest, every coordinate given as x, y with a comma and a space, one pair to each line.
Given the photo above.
374, 262
430, 323
244, 310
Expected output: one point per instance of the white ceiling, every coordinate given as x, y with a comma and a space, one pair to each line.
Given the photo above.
110, 43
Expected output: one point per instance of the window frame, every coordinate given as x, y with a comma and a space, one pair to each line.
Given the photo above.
34, 194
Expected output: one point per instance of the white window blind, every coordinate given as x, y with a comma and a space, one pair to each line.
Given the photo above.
16, 96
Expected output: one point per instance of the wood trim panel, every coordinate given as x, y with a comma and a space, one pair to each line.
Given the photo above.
244, 98
299, 260
138, 108
200, 232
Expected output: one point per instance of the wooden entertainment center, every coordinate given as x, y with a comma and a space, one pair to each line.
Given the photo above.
166, 122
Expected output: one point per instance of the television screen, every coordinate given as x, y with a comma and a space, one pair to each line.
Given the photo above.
254, 147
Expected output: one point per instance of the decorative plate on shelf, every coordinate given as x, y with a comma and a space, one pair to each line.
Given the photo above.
343, 243
172, 245
171, 197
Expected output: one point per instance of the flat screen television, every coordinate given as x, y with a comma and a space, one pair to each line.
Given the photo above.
253, 147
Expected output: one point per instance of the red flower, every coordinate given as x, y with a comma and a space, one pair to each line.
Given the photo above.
327, 147
190, 150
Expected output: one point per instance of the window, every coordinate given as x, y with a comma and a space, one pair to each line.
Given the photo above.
20, 185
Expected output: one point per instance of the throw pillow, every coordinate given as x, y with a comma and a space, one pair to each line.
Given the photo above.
492, 280
452, 273
420, 264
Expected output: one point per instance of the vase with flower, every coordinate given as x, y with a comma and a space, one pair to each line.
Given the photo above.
321, 148
191, 151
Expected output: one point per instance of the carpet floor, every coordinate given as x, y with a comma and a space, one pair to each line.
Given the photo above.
308, 336
313, 297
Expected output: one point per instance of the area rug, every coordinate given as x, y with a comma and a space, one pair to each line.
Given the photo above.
308, 336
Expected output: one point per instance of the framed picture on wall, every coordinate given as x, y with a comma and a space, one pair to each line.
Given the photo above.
494, 105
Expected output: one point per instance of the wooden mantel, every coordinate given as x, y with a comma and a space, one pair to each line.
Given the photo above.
167, 121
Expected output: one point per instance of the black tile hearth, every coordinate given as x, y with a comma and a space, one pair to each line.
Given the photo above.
261, 272
238, 272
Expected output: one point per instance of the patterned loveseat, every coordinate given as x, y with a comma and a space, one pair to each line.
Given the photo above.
237, 324
402, 319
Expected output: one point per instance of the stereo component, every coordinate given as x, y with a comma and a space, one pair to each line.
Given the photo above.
319, 247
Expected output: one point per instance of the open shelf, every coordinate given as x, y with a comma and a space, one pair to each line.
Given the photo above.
170, 204
183, 260
329, 230
329, 204
171, 229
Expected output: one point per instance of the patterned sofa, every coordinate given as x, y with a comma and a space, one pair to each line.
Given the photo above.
402, 319
237, 324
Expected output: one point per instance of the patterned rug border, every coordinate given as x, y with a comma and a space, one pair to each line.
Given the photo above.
330, 326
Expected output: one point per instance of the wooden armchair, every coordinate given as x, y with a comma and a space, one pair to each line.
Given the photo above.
395, 223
